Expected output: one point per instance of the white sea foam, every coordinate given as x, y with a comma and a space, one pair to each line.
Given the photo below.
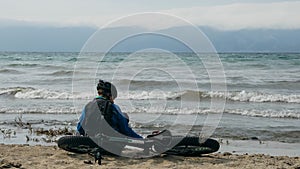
145, 95
67, 109
262, 97
266, 113
243, 112
240, 96
32, 93
40, 110
42, 94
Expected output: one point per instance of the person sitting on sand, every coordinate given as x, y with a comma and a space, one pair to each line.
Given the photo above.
104, 104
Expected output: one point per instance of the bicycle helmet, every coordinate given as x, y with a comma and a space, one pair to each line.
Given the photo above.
108, 88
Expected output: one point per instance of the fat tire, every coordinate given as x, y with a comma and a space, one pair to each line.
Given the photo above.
194, 141
77, 144
190, 146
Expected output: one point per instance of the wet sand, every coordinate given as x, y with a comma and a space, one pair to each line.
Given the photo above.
25, 156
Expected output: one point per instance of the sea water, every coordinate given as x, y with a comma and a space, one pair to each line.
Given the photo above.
50, 89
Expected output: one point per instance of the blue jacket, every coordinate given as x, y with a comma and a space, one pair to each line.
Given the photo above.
117, 118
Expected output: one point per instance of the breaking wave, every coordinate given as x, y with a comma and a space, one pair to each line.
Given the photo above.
266, 113
244, 96
32, 93
170, 111
240, 96
52, 110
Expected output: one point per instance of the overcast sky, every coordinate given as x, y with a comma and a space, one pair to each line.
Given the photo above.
221, 14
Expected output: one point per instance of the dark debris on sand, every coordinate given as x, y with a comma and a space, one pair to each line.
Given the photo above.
8, 164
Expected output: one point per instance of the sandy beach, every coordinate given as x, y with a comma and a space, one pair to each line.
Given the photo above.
25, 156
224, 70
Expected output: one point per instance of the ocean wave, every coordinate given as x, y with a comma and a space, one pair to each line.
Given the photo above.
29, 65
252, 112
10, 71
148, 95
170, 111
33, 110
23, 65
266, 113
42, 94
270, 113
144, 82
32, 93
62, 73
13, 90
244, 96
238, 96
241, 96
